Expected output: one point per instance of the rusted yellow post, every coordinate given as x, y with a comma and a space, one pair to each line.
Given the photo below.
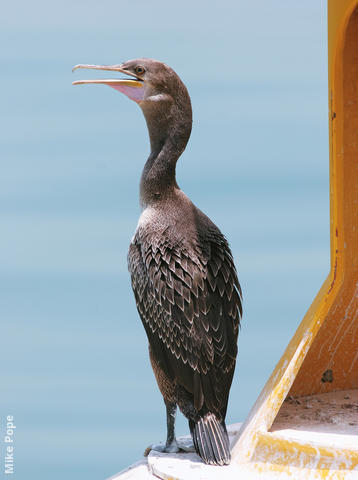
323, 354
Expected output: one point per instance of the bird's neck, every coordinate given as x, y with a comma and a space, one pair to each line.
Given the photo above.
169, 126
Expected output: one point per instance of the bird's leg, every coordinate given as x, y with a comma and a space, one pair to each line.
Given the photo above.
171, 445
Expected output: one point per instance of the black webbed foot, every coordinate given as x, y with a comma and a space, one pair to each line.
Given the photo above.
163, 448
175, 446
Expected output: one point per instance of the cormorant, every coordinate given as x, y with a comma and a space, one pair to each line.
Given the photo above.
182, 270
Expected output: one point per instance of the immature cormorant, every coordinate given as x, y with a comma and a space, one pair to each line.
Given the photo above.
183, 275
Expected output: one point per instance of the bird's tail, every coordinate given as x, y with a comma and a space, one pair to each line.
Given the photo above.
211, 440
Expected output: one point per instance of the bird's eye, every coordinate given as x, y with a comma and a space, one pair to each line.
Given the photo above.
140, 70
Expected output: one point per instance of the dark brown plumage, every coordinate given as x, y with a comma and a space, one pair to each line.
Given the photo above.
183, 275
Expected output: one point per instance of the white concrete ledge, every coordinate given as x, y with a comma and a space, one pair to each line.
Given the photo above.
181, 466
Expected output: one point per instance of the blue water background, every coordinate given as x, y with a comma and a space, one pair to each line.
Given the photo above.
75, 372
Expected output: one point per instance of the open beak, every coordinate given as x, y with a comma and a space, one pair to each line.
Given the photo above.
133, 88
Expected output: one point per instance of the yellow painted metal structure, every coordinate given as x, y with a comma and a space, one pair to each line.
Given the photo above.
323, 354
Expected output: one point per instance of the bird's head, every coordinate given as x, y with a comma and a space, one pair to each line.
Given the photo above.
148, 80
159, 92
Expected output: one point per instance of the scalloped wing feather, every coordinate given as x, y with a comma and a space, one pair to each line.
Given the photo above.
190, 305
